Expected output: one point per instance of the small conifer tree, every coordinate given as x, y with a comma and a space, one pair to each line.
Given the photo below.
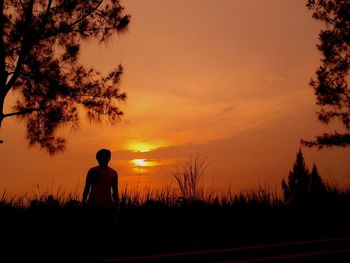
303, 186
317, 186
297, 188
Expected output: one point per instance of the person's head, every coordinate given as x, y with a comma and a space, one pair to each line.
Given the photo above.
103, 157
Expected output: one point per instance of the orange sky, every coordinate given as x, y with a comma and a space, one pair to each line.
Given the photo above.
228, 81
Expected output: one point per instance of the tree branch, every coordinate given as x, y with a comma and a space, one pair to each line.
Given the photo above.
328, 140
26, 111
25, 48
46, 15
69, 27
3, 75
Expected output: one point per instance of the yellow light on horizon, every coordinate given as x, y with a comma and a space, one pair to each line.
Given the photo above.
137, 146
140, 147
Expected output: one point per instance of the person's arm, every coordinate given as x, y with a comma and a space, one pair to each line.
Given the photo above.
87, 186
115, 190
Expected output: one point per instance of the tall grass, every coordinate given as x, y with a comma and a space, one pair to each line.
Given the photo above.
166, 197
189, 177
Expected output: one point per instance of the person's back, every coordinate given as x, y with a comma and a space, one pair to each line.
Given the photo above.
99, 182
102, 180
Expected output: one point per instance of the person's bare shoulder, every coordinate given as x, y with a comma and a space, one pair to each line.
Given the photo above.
114, 172
93, 169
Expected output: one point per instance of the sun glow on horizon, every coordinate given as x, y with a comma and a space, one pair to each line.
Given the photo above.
143, 163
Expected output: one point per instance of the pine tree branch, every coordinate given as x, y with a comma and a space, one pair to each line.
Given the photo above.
329, 140
3, 74
23, 112
70, 26
24, 50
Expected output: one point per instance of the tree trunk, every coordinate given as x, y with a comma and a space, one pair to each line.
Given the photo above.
2, 100
2, 115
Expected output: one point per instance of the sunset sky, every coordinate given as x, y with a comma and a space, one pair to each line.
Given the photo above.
226, 80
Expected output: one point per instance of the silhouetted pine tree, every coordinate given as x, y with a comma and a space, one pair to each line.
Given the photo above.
332, 76
40, 47
317, 186
297, 189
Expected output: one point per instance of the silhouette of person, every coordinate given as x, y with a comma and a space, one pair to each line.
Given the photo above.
99, 182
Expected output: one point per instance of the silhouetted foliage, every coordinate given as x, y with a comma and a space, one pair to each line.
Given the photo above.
331, 86
39, 49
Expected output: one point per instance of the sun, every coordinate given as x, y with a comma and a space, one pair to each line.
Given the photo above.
143, 163
139, 162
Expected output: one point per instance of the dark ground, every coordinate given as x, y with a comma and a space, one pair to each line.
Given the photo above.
70, 233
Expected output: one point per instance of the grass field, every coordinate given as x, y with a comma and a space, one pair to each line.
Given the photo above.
162, 221
57, 227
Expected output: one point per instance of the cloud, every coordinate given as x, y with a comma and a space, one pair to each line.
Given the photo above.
258, 155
